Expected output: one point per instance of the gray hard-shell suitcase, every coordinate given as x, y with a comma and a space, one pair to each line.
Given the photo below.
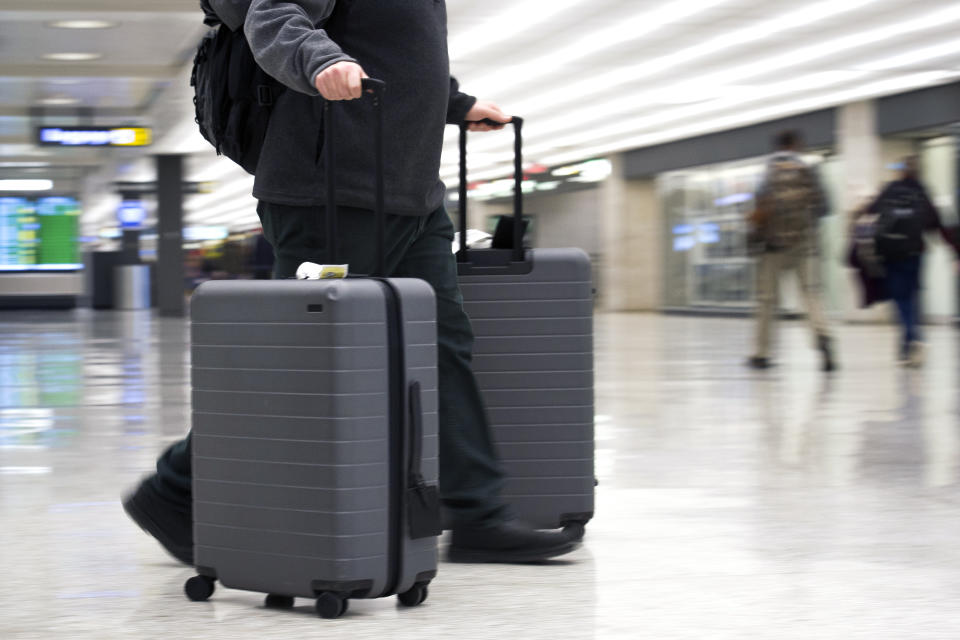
532, 315
315, 435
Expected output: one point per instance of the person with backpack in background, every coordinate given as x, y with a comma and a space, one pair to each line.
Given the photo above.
322, 49
784, 226
904, 213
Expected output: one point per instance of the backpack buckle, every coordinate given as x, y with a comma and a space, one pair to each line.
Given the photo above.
264, 95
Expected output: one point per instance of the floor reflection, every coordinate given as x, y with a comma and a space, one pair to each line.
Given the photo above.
731, 503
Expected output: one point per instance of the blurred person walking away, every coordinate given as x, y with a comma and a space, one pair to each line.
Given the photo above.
904, 212
322, 49
784, 227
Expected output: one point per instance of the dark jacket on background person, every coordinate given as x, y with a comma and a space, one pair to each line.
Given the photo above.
871, 272
401, 43
931, 218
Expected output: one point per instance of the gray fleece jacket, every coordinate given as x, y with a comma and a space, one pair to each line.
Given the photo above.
402, 42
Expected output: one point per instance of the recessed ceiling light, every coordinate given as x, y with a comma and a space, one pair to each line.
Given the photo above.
22, 165
82, 24
72, 57
59, 102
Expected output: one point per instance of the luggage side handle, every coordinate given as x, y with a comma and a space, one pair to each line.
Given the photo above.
423, 500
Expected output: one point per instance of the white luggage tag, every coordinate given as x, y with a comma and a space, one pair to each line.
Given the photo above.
476, 239
313, 271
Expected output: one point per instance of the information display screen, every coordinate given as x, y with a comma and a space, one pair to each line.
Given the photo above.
39, 234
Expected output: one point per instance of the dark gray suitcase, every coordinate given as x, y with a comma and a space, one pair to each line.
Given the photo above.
532, 314
315, 436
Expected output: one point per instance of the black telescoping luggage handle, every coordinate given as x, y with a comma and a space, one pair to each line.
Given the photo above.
376, 88
517, 122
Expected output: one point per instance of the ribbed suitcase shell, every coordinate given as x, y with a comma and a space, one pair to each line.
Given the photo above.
533, 360
291, 439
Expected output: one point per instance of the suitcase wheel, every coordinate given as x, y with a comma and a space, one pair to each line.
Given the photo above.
199, 588
414, 596
274, 601
575, 530
331, 605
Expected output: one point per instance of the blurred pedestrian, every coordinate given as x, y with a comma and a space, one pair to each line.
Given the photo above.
784, 225
904, 213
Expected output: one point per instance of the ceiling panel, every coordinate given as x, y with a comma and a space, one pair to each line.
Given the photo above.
154, 39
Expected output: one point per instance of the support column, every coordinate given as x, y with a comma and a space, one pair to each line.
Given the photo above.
630, 277
862, 152
170, 273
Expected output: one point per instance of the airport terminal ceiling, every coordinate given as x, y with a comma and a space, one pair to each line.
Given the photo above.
591, 77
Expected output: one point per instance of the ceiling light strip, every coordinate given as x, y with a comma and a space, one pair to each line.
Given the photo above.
764, 30
521, 17
764, 114
916, 56
865, 92
779, 63
630, 29
802, 84
767, 29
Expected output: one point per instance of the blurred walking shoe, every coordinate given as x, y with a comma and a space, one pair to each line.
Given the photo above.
916, 354
170, 525
759, 363
825, 345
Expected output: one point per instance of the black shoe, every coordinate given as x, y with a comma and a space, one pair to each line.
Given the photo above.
826, 348
759, 363
170, 525
509, 542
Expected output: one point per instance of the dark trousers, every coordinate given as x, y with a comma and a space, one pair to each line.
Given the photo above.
903, 285
416, 247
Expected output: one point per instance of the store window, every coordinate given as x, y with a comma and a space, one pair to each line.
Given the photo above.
707, 263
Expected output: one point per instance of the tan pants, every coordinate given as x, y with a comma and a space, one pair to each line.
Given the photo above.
770, 268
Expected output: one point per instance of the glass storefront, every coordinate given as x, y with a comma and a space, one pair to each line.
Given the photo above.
707, 265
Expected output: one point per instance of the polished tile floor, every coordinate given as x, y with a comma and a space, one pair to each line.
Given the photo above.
732, 504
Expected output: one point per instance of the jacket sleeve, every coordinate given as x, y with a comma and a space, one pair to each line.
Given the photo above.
459, 105
935, 223
288, 42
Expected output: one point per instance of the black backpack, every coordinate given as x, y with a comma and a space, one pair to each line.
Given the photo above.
233, 96
900, 224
